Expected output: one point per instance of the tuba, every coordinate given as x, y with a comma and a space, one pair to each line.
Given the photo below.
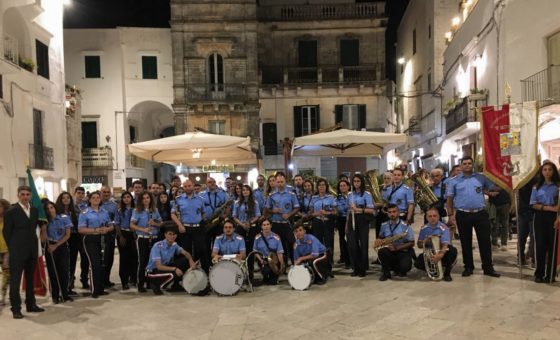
423, 195
373, 186
434, 270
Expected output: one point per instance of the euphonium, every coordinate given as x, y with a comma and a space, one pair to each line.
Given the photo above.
423, 195
373, 186
434, 270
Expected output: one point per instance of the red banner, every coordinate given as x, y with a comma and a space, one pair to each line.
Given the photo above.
495, 124
39, 278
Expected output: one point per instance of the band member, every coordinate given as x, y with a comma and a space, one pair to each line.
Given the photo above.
402, 196
229, 243
360, 210
128, 263
246, 212
163, 205
282, 204
137, 189
168, 263
58, 232
343, 188
544, 200
308, 249
175, 183
397, 256
323, 210
80, 198
197, 189
439, 188
259, 193
214, 198
145, 222
108, 204
236, 193
455, 170
298, 186
270, 186
188, 213
500, 202
465, 206
92, 224
304, 199
4, 257
447, 253
265, 244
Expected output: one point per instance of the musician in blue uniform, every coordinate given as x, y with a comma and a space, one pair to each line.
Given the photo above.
402, 196
128, 260
308, 249
466, 208
214, 199
360, 213
305, 199
80, 198
439, 188
447, 254
544, 200
246, 213
323, 210
168, 263
108, 204
396, 256
259, 193
265, 244
229, 243
343, 189
58, 232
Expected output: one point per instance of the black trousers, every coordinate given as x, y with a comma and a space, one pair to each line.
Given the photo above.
447, 261
481, 223
92, 246
342, 244
194, 241
284, 230
398, 261
108, 255
58, 266
544, 244
358, 243
144, 247
321, 267
162, 278
128, 258
324, 231
75, 246
524, 229
22, 263
249, 236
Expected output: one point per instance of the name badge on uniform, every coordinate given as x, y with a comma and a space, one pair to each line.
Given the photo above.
478, 190
287, 206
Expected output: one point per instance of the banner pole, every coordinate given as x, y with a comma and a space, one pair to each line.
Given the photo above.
519, 255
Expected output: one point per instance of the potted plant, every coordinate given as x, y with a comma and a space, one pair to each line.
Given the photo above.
478, 94
26, 64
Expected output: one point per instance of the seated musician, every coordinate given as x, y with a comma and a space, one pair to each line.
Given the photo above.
308, 249
447, 253
397, 255
229, 243
266, 243
168, 262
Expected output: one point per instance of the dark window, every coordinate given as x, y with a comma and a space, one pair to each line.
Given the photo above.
429, 81
414, 41
352, 117
37, 127
149, 67
93, 66
270, 140
430, 31
133, 134
306, 120
350, 52
216, 72
217, 127
307, 53
89, 135
1, 87
42, 51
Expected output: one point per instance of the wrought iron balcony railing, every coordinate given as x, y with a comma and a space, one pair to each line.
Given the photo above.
9, 48
543, 87
326, 74
41, 157
459, 116
216, 92
363, 10
97, 158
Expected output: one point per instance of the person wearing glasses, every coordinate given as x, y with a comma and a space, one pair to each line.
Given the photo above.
229, 243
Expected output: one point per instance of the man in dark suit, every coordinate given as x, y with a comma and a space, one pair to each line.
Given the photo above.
20, 233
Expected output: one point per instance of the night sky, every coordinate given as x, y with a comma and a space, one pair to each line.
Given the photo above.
155, 13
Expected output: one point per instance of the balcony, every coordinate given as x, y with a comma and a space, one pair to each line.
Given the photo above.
459, 115
283, 74
216, 92
41, 157
97, 158
543, 87
10, 48
137, 162
364, 10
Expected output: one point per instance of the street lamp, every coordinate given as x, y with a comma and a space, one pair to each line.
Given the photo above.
401, 60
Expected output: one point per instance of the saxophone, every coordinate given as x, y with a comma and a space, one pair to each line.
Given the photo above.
423, 195
216, 215
434, 270
388, 240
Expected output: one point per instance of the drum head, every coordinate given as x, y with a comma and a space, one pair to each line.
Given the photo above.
300, 277
226, 277
195, 281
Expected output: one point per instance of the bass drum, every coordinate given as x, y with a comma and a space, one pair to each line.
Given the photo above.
300, 277
227, 277
195, 281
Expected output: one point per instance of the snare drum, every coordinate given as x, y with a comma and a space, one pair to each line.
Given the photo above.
195, 281
227, 277
300, 277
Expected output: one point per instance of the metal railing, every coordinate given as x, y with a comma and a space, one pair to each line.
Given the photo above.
10, 48
137, 162
364, 10
273, 149
216, 92
41, 157
325, 74
543, 87
97, 158
459, 116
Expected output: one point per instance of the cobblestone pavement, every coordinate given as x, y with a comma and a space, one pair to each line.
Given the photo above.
477, 307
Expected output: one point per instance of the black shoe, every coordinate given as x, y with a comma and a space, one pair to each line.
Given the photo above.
141, 289
447, 278
331, 275
467, 272
17, 315
257, 283
125, 286
72, 293
67, 299
492, 273
176, 289
156, 289
56, 301
94, 295
34, 309
384, 277
402, 274
103, 293
109, 284
539, 280
354, 274
321, 282
362, 274
547, 279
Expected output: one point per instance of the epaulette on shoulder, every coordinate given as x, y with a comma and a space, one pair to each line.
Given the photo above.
258, 236
276, 237
239, 237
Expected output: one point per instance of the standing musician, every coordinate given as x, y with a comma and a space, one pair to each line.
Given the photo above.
305, 199
401, 195
166, 264
213, 198
396, 256
308, 249
298, 186
259, 193
323, 209
282, 205
128, 260
465, 206
65, 205
246, 212
108, 204
188, 213
229, 243
439, 188
360, 210
265, 244
447, 253
343, 188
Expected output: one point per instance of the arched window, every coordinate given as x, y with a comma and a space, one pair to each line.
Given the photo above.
216, 72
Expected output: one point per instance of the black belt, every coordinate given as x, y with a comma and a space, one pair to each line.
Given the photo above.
470, 210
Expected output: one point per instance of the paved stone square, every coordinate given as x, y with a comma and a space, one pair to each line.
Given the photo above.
477, 307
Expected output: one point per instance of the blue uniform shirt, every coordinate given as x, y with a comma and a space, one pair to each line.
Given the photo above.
122, 219
285, 200
90, 218
213, 200
388, 229
274, 243
223, 246
401, 195
111, 208
190, 209
258, 195
56, 229
164, 253
468, 192
327, 203
342, 205
360, 200
310, 245
81, 206
439, 229
305, 203
439, 190
141, 218
385, 192
240, 211
547, 194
